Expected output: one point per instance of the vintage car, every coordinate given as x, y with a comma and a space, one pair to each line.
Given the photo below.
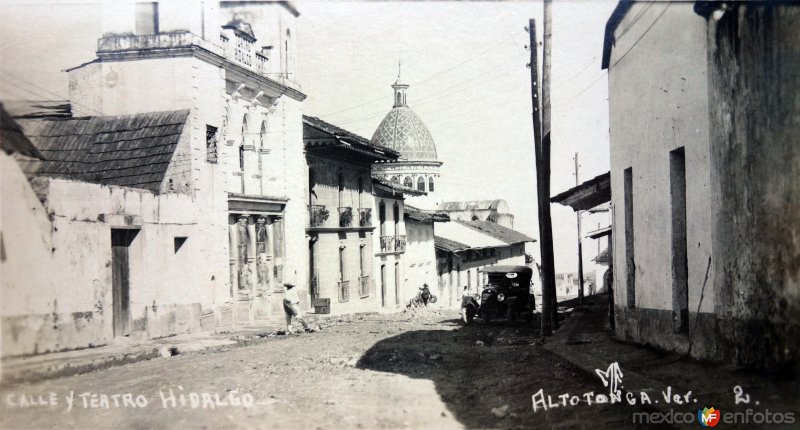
506, 295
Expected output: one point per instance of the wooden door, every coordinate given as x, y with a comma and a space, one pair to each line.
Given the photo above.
121, 240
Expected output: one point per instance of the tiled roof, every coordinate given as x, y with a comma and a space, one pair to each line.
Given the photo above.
425, 215
448, 245
499, 232
128, 150
398, 187
342, 135
12, 139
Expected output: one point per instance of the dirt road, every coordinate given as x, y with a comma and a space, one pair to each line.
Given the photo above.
409, 370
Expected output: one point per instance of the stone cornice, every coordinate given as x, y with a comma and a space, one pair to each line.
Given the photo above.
235, 72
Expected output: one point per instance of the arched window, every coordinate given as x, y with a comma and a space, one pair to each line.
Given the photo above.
421, 183
399, 99
430, 184
395, 180
407, 182
242, 142
262, 142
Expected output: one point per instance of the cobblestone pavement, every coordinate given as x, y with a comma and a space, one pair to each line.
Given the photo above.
417, 369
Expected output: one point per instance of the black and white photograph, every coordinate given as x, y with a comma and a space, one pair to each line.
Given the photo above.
399, 214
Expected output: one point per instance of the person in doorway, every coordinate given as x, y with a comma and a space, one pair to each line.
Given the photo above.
291, 302
425, 295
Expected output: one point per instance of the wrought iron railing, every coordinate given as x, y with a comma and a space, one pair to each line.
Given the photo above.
400, 243
317, 214
387, 243
363, 286
345, 216
344, 291
365, 217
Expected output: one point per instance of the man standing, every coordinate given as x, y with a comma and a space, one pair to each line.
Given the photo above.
290, 305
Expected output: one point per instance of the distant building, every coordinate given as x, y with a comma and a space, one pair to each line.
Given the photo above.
465, 247
342, 219
496, 211
706, 196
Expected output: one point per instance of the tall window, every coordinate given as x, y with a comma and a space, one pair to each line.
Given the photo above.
430, 184
382, 217
408, 183
630, 266
361, 261
680, 269
395, 180
262, 142
312, 184
421, 183
341, 188
396, 215
212, 139
360, 190
242, 143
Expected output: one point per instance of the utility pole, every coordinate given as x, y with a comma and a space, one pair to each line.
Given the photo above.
580, 240
541, 125
547, 232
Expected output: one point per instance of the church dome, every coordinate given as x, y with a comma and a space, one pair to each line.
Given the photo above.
403, 131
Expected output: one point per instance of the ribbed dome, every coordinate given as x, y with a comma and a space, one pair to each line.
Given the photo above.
403, 131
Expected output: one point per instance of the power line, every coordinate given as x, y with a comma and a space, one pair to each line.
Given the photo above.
642, 36
61, 98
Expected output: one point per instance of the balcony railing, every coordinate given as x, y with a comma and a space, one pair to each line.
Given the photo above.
363, 286
400, 243
387, 243
365, 217
345, 216
317, 214
344, 291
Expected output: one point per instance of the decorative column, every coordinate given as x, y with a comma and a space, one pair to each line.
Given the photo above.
241, 254
233, 252
261, 257
251, 257
270, 256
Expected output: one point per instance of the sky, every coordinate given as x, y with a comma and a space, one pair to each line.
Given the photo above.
465, 62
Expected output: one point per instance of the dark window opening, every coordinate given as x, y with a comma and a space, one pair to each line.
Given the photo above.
421, 184
212, 140
430, 184
408, 183
680, 269
629, 254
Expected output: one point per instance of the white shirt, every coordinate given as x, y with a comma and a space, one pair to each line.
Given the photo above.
291, 296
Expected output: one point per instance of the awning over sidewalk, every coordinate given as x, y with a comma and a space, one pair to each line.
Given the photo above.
587, 195
600, 232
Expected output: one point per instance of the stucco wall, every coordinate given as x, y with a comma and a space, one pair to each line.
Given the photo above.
419, 259
658, 103
754, 65
71, 305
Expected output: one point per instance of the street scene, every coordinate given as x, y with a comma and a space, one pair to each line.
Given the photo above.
399, 215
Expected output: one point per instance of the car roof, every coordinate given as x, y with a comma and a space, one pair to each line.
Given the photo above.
507, 269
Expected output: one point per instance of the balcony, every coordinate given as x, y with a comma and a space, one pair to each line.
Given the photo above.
400, 243
387, 243
345, 216
363, 286
344, 291
365, 217
317, 214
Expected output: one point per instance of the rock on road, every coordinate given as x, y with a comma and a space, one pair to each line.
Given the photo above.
418, 369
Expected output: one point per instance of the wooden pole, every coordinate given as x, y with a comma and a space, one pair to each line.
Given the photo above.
547, 327
580, 240
547, 226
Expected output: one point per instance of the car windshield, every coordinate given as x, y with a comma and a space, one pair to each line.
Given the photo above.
501, 280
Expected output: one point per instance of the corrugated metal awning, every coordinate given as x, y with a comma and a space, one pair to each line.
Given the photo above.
587, 195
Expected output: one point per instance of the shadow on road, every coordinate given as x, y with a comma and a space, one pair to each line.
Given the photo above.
475, 368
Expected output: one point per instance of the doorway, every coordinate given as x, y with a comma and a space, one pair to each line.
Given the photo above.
383, 285
121, 240
397, 283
